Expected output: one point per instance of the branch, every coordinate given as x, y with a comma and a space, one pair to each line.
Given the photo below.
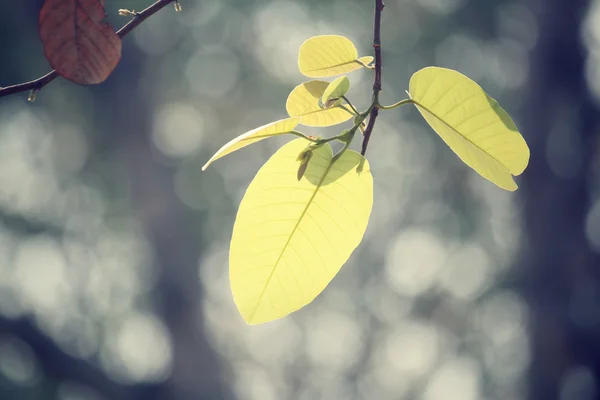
377, 82
58, 365
49, 77
23, 225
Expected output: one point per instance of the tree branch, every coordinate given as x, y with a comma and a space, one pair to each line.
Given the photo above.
58, 365
377, 82
49, 77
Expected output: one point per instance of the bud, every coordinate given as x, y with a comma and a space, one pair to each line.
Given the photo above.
304, 158
363, 127
126, 13
32, 95
306, 154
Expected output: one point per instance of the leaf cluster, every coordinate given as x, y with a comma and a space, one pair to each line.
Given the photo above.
307, 209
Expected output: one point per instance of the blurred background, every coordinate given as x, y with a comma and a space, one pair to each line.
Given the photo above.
113, 243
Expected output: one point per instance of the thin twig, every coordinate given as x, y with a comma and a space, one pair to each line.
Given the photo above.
49, 77
377, 82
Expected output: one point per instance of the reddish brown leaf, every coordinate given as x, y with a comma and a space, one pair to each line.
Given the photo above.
77, 44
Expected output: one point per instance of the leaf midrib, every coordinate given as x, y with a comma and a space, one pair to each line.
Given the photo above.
336, 65
418, 104
285, 246
322, 110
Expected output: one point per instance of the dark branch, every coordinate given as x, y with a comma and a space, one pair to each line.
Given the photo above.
377, 82
22, 225
61, 366
49, 77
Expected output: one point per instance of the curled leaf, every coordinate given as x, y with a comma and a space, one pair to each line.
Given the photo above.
304, 101
336, 89
276, 128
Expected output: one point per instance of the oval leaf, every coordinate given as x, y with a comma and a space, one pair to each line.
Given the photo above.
329, 55
336, 89
280, 127
77, 44
475, 127
291, 237
303, 102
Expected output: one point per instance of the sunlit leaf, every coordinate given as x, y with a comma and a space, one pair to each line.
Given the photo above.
303, 102
475, 127
291, 237
280, 127
336, 89
329, 55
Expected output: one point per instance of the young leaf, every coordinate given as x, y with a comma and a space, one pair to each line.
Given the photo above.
336, 89
304, 158
280, 127
329, 55
475, 127
77, 44
303, 102
291, 237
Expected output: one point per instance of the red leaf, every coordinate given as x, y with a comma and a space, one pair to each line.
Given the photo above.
77, 44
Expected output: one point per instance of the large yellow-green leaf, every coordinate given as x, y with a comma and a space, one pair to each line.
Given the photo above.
329, 55
280, 127
475, 127
291, 237
303, 102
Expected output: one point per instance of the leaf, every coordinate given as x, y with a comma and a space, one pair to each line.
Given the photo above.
276, 128
329, 55
291, 237
336, 89
475, 127
304, 158
303, 102
77, 44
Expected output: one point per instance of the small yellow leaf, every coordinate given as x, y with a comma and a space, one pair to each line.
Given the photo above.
329, 55
303, 102
280, 127
291, 237
475, 127
336, 89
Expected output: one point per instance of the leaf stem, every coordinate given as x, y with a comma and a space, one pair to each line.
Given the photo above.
339, 153
374, 112
352, 111
351, 105
49, 77
302, 135
398, 104
368, 66
321, 141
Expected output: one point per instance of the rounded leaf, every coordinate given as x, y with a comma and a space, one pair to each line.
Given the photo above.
77, 44
329, 55
303, 102
276, 128
475, 127
336, 89
291, 237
